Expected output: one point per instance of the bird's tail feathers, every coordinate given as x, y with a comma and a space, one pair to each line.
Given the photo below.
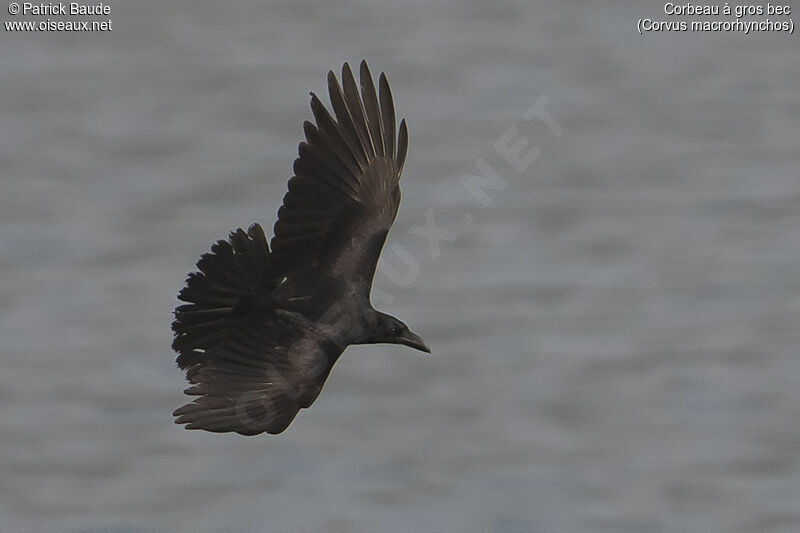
230, 278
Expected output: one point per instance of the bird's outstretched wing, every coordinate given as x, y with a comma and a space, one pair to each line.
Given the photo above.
251, 369
345, 192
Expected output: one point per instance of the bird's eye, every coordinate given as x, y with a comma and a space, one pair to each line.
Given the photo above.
394, 330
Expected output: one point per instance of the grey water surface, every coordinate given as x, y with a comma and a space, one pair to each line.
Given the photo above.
614, 311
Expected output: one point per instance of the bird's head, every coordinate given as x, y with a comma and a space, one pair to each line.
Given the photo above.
388, 329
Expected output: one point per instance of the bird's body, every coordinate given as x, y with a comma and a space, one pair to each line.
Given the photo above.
263, 325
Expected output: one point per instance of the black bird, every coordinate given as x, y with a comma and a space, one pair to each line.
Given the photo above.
262, 328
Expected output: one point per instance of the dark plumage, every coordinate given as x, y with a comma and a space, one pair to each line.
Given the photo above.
261, 329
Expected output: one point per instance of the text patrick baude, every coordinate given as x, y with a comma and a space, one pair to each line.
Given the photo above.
58, 8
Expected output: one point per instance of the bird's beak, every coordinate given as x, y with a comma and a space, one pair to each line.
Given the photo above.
415, 341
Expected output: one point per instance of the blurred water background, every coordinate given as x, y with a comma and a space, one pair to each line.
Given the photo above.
614, 323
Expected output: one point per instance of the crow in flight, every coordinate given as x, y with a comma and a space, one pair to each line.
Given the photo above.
263, 324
